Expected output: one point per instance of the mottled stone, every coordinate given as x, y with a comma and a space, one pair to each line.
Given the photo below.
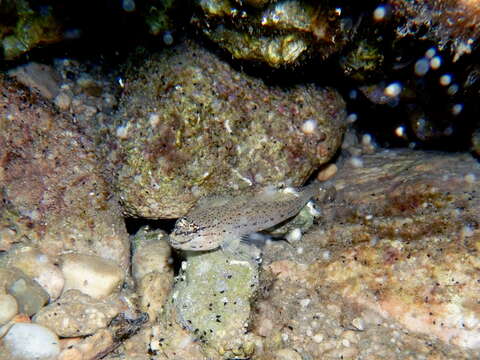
77, 314
39, 267
91, 347
151, 253
54, 194
190, 125
391, 268
29, 295
212, 298
92, 275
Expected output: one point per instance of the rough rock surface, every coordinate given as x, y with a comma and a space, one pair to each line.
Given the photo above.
91, 347
53, 192
452, 24
212, 299
152, 270
190, 125
391, 270
77, 314
279, 33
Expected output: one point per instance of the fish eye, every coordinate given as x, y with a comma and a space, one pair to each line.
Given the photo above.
185, 227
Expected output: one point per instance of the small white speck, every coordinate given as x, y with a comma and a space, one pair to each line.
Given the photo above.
366, 139
128, 5
294, 235
309, 332
285, 337
312, 210
291, 190
326, 255
167, 38
400, 131
122, 131
369, 217
379, 13
470, 178
359, 323
445, 80
393, 90
309, 126
120, 82
300, 250
457, 109
356, 162
318, 338
226, 123
467, 231
436, 62
153, 119
346, 343
42, 258
305, 302
351, 118
421, 67
452, 89
353, 94
430, 53
184, 265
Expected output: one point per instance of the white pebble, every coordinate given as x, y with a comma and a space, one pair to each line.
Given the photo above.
31, 342
92, 275
445, 80
305, 302
318, 338
356, 162
309, 126
153, 119
122, 131
470, 178
294, 235
8, 308
379, 13
393, 90
436, 62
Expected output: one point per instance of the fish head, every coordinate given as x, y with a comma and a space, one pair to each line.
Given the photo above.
188, 235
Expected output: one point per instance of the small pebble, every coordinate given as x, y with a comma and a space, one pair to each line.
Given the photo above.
30, 342
63, 101
8, 308
90, 274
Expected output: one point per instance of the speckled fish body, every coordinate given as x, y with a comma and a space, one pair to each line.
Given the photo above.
216, 221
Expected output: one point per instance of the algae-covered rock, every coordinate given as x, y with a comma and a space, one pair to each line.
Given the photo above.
278, 33
54, 194
78, 314
190, 125
27, 26
394, 256
212, 298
